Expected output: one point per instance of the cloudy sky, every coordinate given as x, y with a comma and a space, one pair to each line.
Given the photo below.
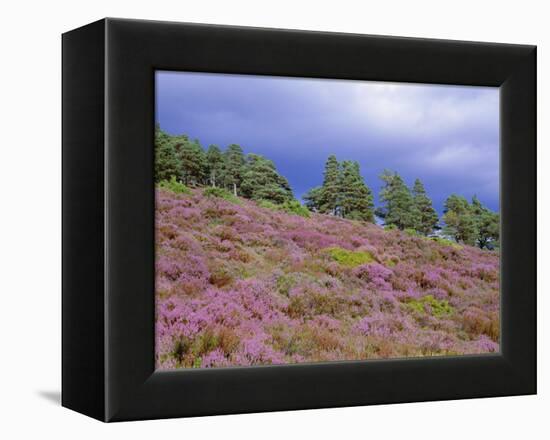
448, 136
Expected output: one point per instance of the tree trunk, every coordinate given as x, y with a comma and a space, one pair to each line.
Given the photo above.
235, 189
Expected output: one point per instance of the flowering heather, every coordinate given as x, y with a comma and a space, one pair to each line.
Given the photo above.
241, 284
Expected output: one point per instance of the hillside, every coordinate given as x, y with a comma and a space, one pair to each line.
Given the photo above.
240, 284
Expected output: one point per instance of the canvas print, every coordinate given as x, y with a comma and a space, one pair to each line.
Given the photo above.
303, 220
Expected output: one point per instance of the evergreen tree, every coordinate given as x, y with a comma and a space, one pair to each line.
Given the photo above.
399, 209
356, 201
313, 198
193, 163
214, 164
487, 225
234, 162
460, 222
261, 181
167, 163
427, 218
329, 200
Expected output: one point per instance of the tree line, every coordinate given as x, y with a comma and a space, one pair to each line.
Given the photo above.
251, 176
343, 192
471, 223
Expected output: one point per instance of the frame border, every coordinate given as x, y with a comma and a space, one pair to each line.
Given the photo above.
133, 50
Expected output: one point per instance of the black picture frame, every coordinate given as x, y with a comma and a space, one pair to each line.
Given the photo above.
108, 219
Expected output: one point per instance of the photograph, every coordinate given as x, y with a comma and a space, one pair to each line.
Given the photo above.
302, 220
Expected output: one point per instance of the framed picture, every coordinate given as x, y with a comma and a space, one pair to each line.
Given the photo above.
262, 220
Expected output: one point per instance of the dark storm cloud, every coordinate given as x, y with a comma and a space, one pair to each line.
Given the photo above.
445, 135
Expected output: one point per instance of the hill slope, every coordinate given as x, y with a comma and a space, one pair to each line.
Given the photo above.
238, 284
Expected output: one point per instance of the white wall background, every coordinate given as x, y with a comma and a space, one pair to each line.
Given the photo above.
30, 234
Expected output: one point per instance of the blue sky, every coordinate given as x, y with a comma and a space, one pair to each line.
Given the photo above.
448, 136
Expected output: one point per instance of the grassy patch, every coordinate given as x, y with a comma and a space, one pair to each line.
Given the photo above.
290, 207
268, 205
445, 242
438, 308
350, 258
222, 194
174, 186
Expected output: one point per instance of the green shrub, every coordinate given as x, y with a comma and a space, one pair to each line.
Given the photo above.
221, 193
268, 205
438, 308
350, 258
290, 207
174, 186
445, 242
411, 232
390, 227
295, 207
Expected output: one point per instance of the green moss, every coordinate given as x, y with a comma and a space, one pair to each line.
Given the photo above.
350, 258
222, 194
438, 308
174, 186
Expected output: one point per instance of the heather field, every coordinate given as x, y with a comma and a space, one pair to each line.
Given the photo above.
244, 283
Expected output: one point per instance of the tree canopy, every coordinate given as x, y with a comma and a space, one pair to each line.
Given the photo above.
167, 162
261, 181
356, 201
472, 224
343, 193
214, 165
459, 220
251, 176
399, 209
234, 162
427, 216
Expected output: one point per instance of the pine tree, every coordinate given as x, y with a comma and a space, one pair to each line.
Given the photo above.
261, 181
460, 222
193, 163
167, 163
399, 209
356, 201
329, 200
487, 225
427, 218
313, 198
214, 164
234, 161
